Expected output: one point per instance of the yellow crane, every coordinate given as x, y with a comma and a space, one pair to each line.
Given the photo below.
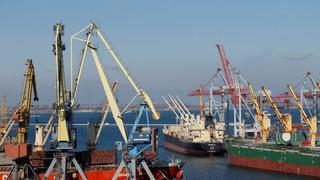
312, 121
143, 95
131, 147
22, 113
112, 102
286, 120
63, 159
262, 117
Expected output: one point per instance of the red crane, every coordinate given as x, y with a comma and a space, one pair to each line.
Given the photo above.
228, 74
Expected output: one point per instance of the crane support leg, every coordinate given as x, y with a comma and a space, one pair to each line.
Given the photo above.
313, 131
265, 128
288, 121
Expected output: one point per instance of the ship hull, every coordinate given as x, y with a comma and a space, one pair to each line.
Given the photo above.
175, 144
101, 164
160, 173
274, 158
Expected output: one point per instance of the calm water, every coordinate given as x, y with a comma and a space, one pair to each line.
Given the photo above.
195, 168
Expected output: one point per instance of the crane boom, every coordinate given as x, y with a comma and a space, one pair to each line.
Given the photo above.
112, 101
285, 121
104, 111
143, 95
299, 106
228, 74
255, 103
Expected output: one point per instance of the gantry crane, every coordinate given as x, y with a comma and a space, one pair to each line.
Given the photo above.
63, 106
91, 28
22, 113
312, 121
286, 120
129, 160
143, 138
262, 117
143, 95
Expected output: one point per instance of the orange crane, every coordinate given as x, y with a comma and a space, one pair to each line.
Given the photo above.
312, 121
262, 117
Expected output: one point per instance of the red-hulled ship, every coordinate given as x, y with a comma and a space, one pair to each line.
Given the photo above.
95, 164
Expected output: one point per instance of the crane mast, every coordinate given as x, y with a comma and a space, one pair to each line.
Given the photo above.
262, 117
287, 121
312, 121
84, 54
62, 106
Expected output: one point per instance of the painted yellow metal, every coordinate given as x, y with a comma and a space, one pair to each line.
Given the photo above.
287, 120
3, 114
23, 111
105, 111
143, 95
62, 135
85, 50
112, 101
262, 117
312, 122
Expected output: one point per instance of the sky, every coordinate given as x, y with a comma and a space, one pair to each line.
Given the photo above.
167, 46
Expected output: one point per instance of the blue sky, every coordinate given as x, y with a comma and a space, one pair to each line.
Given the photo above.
168, 46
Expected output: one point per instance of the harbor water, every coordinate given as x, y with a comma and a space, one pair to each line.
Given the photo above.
214, 167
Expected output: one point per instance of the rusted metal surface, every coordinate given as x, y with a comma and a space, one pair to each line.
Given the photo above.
15, 151
154, 140
97, 157
41, 159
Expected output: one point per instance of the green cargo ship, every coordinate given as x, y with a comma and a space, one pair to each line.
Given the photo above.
271, 156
